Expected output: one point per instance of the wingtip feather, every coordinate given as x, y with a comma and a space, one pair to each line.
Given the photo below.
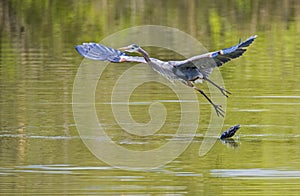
247, 42
80, 50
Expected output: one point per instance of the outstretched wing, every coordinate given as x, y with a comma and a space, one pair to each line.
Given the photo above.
206, 62
100, 52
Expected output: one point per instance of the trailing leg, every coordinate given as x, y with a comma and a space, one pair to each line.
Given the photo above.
218, 108
223, 90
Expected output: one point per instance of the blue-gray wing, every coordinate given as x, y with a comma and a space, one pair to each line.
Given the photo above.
100, 52
206, 62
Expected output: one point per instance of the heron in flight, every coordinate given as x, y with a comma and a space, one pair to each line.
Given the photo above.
190, 71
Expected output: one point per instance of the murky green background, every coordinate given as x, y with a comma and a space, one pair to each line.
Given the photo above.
41, 151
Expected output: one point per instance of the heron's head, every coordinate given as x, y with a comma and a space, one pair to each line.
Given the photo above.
130, 48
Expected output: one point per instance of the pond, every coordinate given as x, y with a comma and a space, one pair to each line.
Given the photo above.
50, 144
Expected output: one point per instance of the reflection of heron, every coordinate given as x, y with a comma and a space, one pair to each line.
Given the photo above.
229, 142
189, 71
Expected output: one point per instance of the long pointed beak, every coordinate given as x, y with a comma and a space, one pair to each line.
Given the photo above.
123, 48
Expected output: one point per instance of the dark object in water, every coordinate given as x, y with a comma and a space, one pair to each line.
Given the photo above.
230, 132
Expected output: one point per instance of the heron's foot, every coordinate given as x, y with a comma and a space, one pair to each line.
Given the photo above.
219, 110
224, 91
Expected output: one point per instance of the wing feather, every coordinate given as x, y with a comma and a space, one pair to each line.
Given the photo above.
206, 62
100, 52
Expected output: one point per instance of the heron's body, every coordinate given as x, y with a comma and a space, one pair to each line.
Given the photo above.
189, 71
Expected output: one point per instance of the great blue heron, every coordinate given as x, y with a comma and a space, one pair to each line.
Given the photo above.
189, 71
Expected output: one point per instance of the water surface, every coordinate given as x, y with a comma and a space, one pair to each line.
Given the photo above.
41, 151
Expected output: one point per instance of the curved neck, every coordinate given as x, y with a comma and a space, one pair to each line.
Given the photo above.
145, 55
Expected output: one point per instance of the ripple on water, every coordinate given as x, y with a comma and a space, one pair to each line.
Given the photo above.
255, 173
49, 169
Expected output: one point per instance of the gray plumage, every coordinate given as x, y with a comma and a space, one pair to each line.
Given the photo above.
189, 71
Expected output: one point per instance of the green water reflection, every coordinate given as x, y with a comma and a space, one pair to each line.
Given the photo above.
41, 152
